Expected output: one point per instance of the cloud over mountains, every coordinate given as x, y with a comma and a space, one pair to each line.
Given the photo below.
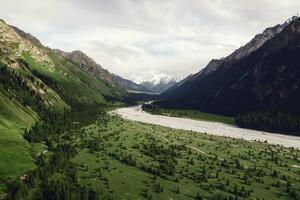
132, 37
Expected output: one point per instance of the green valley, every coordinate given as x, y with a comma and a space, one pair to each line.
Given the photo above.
34, 82
131, 160
106, 157
65, 132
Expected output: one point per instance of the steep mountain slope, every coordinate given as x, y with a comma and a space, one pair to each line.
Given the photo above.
86, 63
36, 81
15, 152
16, 76
242, 52
261, 76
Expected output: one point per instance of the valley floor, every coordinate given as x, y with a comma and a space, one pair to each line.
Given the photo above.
132, 160
137, 114
117, 159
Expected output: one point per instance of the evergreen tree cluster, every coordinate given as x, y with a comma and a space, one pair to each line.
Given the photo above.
270, 121
18, 87
56, 176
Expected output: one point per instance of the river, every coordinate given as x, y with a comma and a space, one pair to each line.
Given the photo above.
136, 113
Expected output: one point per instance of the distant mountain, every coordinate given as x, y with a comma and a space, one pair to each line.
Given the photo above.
261, 76
159, 83
148, 84
160, 87
128, 84
88, 64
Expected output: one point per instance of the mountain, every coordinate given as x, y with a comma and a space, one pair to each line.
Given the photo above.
37, 77
243, 51
159, 83
128, 84
88, 64
148, 84
262, 76
36, 81
23, 54
161, 86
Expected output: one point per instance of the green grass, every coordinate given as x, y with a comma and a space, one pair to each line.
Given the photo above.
14, 45
192, 114
15, 152
71, 82
106, 146
55, 87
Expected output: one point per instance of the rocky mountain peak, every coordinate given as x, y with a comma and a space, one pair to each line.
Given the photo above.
81, 58
27, 36
245, 50
256, 42
14, 43
88, 64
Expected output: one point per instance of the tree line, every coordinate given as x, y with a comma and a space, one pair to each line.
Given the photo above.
56, 175
278, 121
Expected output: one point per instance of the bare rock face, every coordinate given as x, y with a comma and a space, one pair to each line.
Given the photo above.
14, 43
243, 51
27, 36
88, 64
256, 42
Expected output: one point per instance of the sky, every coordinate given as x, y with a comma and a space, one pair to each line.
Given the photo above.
140, 39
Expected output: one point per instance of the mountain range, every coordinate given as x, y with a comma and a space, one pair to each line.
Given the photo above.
89, 65
159, 83
55, 101
39, 78
261, 77
155, 85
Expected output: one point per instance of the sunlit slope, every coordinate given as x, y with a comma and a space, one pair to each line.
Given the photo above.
15, 152
35, 80
70, 82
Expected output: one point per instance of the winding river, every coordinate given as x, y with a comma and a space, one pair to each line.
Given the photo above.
136, 113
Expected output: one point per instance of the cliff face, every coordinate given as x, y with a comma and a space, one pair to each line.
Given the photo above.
264, 74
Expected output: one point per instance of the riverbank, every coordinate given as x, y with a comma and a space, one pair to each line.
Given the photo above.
136, 113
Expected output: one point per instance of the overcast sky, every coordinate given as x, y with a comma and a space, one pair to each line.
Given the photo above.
139, 38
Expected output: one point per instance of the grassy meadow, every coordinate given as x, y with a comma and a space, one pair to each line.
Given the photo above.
15, 152
129, 160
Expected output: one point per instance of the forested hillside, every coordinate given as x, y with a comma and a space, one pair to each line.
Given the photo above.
261, 77
35, 81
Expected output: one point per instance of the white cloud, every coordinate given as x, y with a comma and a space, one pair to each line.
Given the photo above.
134, 37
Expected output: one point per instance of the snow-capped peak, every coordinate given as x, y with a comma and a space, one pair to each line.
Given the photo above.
154, 78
